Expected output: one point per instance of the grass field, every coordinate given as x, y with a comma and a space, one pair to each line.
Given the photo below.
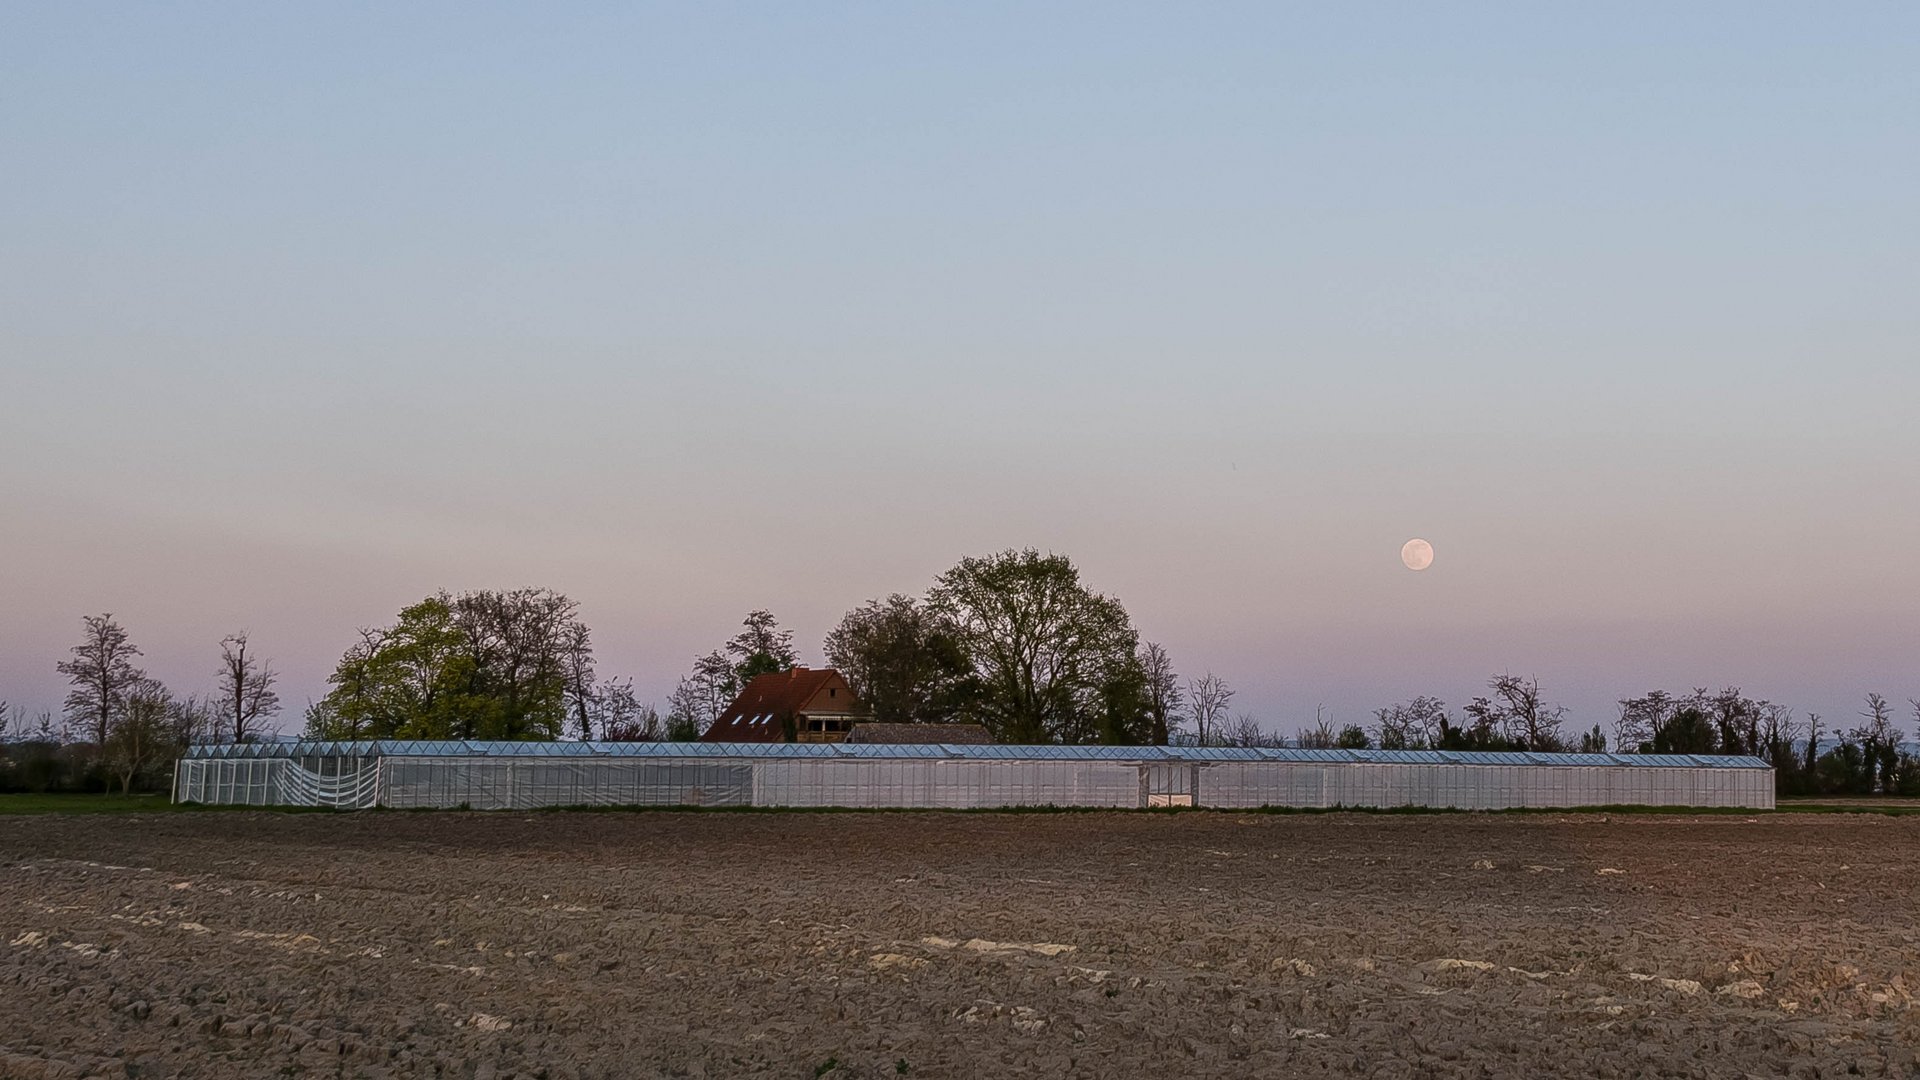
83, 804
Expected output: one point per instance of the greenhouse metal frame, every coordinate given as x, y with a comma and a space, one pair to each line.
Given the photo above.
527, 775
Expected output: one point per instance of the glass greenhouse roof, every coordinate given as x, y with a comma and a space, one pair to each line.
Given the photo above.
995, 752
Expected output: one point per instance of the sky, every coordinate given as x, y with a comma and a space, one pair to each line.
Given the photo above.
310, 310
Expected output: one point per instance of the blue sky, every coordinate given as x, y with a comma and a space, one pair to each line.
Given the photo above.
307, 311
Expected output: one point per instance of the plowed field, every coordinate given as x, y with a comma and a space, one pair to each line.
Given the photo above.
923, 944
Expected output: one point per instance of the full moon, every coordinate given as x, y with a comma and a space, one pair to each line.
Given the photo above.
1418, 554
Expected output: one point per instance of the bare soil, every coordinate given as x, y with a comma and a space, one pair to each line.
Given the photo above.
925, 944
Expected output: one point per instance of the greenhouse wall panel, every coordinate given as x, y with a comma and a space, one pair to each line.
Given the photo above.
510, 776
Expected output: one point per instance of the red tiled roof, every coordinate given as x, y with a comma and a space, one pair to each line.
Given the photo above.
776, 697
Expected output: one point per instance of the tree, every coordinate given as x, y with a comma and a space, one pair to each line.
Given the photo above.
1353, 737
1516, 711
1879, 741
517, 641
715, 682
102, 676
1412, 725
1778, 734
402, 681
903, 660
623, 718
483, 665
142, 732
1640, 718
1207, 700
1320, 736
1736, 719
1043, 646
1244, 730
762, 648
685, 707
576, 658
1689, 730
190, 720
618, 714
1126, 706
1163, 692
246, 687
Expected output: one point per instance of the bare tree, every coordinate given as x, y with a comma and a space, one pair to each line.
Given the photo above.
1641, 719
1412, 725
1879, 728
628, 720
141, 735
1879, 740
714, 684
1208, 698
1321, 735
576, 662
102, 675
686, 711
1516, 706
191, 720
1778, 737
1244, 730
246, 687
621, 717
1163, 691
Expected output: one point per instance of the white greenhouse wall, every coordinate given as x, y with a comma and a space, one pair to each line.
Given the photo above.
502, 783
952, 785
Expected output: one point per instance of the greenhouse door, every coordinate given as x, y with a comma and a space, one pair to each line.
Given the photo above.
1168, 784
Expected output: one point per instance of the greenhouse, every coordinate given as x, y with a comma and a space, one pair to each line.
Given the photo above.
527, 775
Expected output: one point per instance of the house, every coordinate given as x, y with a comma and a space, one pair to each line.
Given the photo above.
903, 734
797, 705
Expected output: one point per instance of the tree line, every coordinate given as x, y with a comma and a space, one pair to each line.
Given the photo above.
1014, 641
121, 727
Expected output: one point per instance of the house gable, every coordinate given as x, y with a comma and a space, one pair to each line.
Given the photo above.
807, 704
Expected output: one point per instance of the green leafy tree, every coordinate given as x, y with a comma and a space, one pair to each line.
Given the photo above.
904, 661
1043, 646
1352, 737
1127, 705
1688, 731
484, 665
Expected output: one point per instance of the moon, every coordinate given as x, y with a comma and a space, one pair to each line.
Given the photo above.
1418, 554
